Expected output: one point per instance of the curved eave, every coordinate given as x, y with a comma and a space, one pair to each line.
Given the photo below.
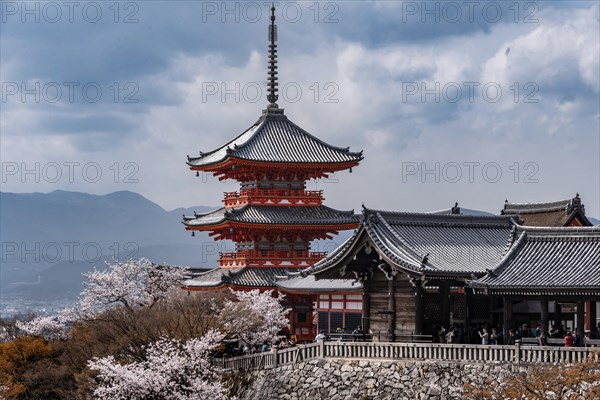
410, 265
538, 291
230, 161
285, 226
283, 289
226, 285
347, 252
342, 255
458, 275
206, 286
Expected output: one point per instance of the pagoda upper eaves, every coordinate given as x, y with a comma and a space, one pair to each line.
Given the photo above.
271, 144
274, 148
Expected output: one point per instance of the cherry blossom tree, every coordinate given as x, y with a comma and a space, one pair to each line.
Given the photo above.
256, 316
50, 327
132, 284
171, 370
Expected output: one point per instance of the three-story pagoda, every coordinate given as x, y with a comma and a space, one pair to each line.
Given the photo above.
273, 217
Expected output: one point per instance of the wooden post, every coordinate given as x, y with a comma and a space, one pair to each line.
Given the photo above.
366, 309
593, 316
507, 309
419, 309
581, 319
544, 315
444, 298
392, 309
557, 314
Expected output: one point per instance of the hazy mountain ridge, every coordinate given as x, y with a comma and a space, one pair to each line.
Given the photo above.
34, 226
56, 236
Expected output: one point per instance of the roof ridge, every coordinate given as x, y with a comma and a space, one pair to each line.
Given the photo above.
258, 122
259, 128
567, 201
338, 252
434, 215
510, 253
400, 239
371, 232
345, 149
560, 230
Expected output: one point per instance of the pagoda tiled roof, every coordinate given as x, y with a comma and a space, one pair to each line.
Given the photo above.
548, 260
263, 277
428, 243
276, 139
292, 215
554, 213
295, 282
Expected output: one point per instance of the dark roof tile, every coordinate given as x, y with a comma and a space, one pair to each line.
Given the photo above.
300, 215
274, 138
431, 243
549, 258
247, 277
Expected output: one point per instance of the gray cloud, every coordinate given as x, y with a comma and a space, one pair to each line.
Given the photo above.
369, 54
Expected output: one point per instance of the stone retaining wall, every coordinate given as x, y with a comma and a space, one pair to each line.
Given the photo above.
361, 380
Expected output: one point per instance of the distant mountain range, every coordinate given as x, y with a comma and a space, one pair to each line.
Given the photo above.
48, 240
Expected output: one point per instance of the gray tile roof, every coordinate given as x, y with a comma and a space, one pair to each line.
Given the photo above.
430, 243
555, 213
248, 277
520, 208
301, 215
552, 259
295, 282
274, 138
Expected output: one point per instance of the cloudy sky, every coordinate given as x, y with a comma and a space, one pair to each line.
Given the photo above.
468, 102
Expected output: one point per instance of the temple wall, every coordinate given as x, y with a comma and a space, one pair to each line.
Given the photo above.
405, 304
345, 379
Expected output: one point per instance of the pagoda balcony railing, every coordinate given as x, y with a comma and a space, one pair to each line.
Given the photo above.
273, 196
271, 257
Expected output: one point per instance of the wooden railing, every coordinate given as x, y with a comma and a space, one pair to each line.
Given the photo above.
273, 196
587, 342
259, 257
464, 353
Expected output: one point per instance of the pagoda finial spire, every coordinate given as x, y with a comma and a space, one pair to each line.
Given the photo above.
272, 73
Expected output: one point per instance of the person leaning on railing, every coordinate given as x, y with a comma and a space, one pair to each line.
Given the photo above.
569, 340
320, 337
542, 340
494, 336
511, 338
